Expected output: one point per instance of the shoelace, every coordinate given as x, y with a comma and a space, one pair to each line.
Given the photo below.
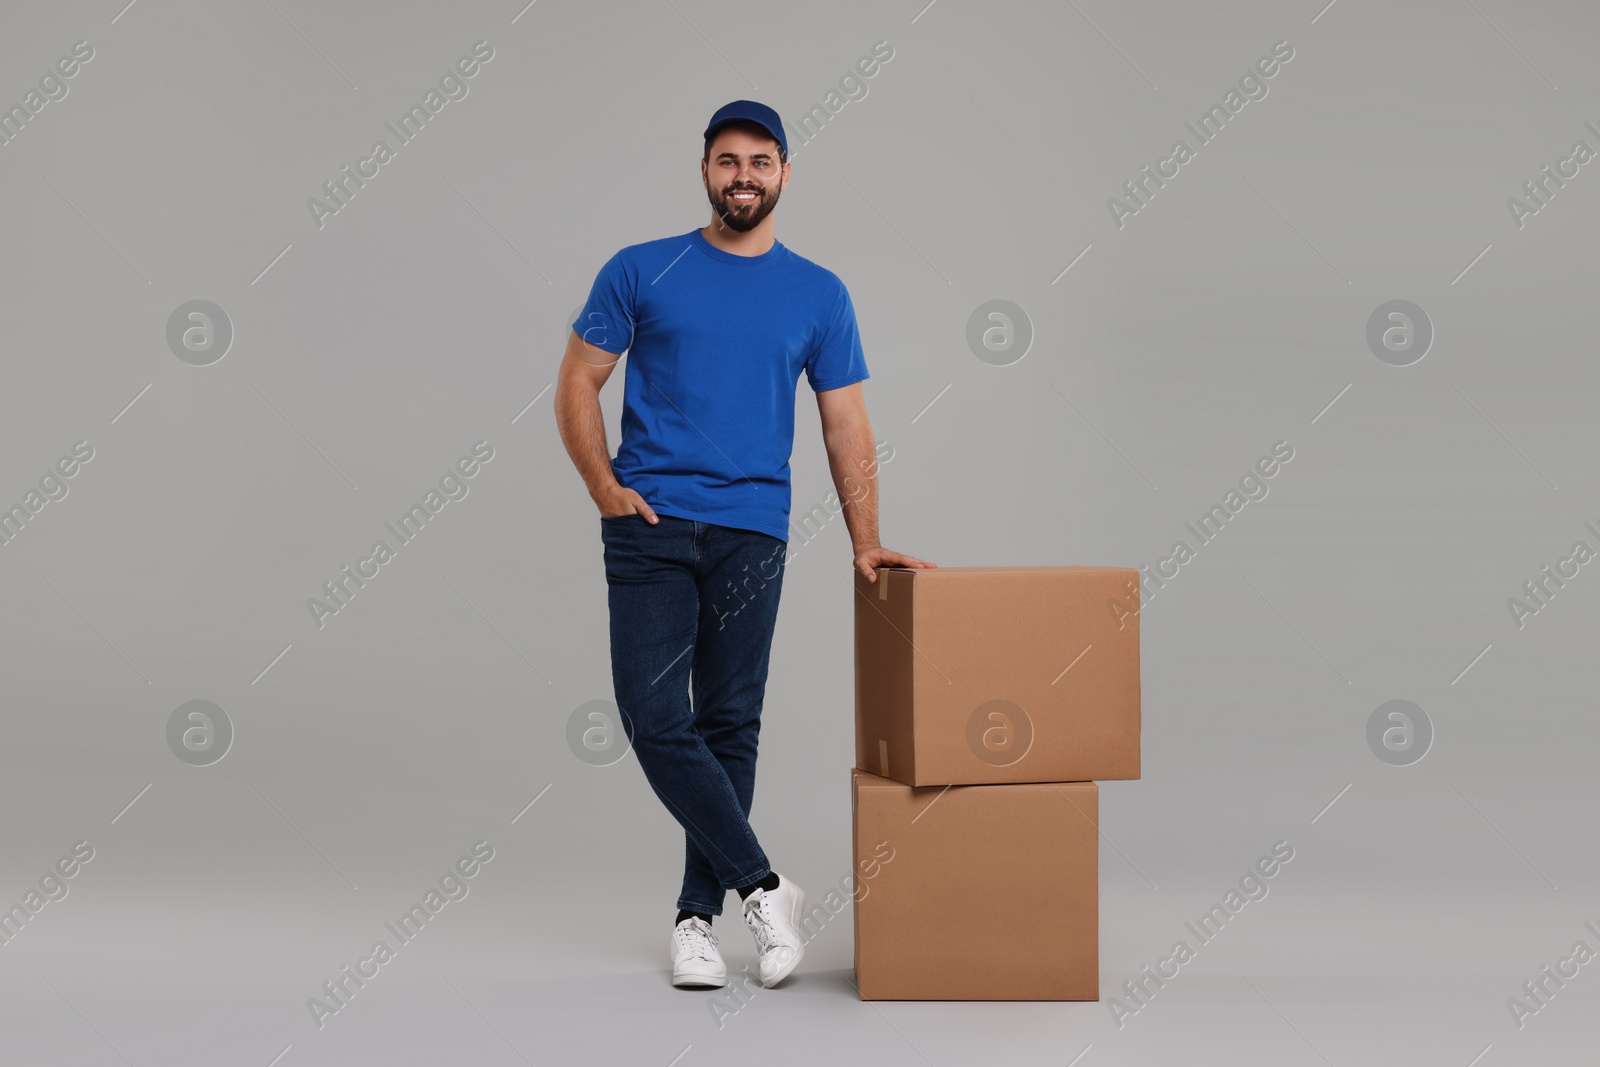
697, 937
760, 922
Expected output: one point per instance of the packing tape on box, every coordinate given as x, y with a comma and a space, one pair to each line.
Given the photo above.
883, 757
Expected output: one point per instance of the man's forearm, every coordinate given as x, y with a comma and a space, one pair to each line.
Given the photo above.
852, 460
583, 432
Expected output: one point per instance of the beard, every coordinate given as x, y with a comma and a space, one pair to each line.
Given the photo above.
742, 218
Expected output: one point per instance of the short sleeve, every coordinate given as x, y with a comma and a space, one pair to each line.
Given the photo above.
607, 319
837, 359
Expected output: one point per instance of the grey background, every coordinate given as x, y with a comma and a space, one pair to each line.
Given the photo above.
431, 312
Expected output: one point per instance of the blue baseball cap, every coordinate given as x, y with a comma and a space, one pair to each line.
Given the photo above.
752, 111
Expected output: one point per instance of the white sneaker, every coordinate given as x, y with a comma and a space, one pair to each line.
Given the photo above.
695, 958
774, 918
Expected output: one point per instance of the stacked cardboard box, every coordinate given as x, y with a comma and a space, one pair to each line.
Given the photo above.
989, 701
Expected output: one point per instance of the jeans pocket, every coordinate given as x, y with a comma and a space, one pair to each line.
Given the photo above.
616, 526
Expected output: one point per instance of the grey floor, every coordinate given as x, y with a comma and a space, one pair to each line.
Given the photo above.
1395, 936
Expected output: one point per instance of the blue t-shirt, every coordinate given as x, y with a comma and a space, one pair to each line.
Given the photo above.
716, 343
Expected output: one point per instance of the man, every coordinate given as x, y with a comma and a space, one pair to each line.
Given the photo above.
719, 323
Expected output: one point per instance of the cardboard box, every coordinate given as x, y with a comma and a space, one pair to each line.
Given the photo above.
976, 892
998, 674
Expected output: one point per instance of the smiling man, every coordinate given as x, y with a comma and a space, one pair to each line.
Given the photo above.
719, 324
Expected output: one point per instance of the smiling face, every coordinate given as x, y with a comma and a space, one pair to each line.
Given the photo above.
743, 175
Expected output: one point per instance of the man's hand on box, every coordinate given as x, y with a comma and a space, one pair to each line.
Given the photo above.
869, 559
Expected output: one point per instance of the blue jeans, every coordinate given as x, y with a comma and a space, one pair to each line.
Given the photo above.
693, 605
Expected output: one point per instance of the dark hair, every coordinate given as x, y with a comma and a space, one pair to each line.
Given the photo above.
749, 126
